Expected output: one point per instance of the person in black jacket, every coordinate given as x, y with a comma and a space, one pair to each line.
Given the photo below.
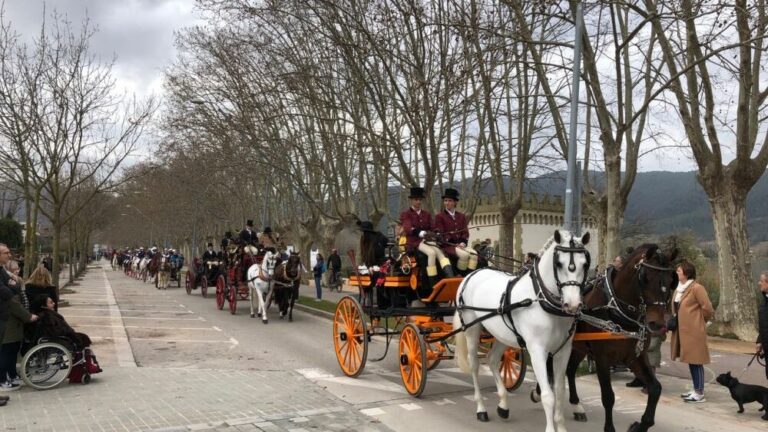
248, 237
5, 296
52, 324
762, 319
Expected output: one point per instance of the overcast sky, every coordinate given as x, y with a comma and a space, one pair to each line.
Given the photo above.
140, 35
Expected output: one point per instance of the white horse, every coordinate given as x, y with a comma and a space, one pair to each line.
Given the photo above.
163, 272
545, 326
261, 286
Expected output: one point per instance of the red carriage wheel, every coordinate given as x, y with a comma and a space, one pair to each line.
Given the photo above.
204, 287
350, 336
512, 368
221, 285
232, 299
413, 360
189, 282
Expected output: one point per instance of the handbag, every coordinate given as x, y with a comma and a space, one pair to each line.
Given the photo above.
672, 323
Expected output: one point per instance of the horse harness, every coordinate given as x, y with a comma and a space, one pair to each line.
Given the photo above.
548, 301
614, 306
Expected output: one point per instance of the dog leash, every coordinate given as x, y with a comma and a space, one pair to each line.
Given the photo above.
752, 360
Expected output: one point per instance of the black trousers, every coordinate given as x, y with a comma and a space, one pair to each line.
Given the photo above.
8, 354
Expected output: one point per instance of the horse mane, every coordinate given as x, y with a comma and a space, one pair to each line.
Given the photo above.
546, 246
640, 251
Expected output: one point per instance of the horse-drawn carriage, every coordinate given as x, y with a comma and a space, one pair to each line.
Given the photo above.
204, 274
233, 286
177, 263
503, 316
394, 299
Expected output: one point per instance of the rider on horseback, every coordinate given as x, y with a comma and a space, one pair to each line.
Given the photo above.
452, 224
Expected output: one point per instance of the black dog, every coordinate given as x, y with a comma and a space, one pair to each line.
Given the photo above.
745, 393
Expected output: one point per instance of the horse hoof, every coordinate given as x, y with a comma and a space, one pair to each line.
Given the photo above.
290, 319
534, 397
482, 416
253, 315
259, 314
265, 321
580, 417
637, 427
281, 317
503, 413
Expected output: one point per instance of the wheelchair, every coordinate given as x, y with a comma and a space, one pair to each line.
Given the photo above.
54, 359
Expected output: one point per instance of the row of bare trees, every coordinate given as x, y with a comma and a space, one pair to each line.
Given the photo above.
65, 131
304, 114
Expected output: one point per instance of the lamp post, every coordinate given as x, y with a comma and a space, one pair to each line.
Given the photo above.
151, 225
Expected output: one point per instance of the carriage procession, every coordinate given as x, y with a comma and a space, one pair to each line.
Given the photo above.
443, 300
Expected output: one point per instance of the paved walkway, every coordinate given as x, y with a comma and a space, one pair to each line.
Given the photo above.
129, 398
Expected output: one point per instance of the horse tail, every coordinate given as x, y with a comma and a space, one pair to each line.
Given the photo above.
460, 341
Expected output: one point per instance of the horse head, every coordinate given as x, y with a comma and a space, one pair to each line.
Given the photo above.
292, 266
646, 282
268, 263
568, 260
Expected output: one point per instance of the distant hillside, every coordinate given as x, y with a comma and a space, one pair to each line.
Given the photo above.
668, 202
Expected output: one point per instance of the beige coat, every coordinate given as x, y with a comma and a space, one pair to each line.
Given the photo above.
689, 342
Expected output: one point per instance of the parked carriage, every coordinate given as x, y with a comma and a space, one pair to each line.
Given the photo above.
393, 302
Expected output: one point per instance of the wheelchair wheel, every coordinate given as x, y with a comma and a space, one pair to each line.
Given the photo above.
46, 365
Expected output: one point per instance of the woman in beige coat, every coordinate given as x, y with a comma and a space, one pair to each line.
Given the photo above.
693, 309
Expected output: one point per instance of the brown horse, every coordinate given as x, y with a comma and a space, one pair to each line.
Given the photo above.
286, 281
634, 297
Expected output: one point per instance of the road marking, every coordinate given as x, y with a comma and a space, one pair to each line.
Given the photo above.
410, 407
132, 310
122, 346
445, 401
148, 327
203, 341
373, 412
234, 342
314, 373
139, 318
216, 328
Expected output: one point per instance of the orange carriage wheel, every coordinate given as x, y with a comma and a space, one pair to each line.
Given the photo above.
204, 286
221, 285
513, 368
189, 282
350, 336
413, 360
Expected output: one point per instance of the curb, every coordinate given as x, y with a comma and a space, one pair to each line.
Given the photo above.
312, 311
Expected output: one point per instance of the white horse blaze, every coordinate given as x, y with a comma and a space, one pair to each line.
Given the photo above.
543, 332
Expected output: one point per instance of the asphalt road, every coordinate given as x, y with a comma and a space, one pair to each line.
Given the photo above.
175, 330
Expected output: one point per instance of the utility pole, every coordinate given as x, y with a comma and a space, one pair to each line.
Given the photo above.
572, 188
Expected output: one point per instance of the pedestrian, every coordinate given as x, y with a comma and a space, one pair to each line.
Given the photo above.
12, 338
16, 281
691, 310
318, 271
5, 297
762, 320
334, 269
40, 282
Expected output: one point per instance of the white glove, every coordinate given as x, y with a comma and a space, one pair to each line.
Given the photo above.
462, 245
422, 234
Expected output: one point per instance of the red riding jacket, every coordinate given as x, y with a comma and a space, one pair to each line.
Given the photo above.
454, 229
413, 224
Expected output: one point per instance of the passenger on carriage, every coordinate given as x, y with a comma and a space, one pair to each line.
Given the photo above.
452, 224
210, 254
268, 239
248, 238
417, 224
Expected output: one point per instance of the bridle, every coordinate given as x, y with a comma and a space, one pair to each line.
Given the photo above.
550, 301
571, 250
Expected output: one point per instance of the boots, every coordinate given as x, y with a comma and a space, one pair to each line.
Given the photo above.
445, 263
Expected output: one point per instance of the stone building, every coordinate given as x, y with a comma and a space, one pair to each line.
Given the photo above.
535, 223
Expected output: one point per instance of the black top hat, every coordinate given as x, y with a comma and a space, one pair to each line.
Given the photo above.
417, 192
228, 234
267, 230
249, 223
210, 244
366, 226
451, 194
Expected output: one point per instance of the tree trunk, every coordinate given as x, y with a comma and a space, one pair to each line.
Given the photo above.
507, 212
738, 298
56, 264
614, 210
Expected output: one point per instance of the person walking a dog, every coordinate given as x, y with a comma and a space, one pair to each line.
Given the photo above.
762, 319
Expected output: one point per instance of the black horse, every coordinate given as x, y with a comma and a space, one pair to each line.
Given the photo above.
634, 297
286, 282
